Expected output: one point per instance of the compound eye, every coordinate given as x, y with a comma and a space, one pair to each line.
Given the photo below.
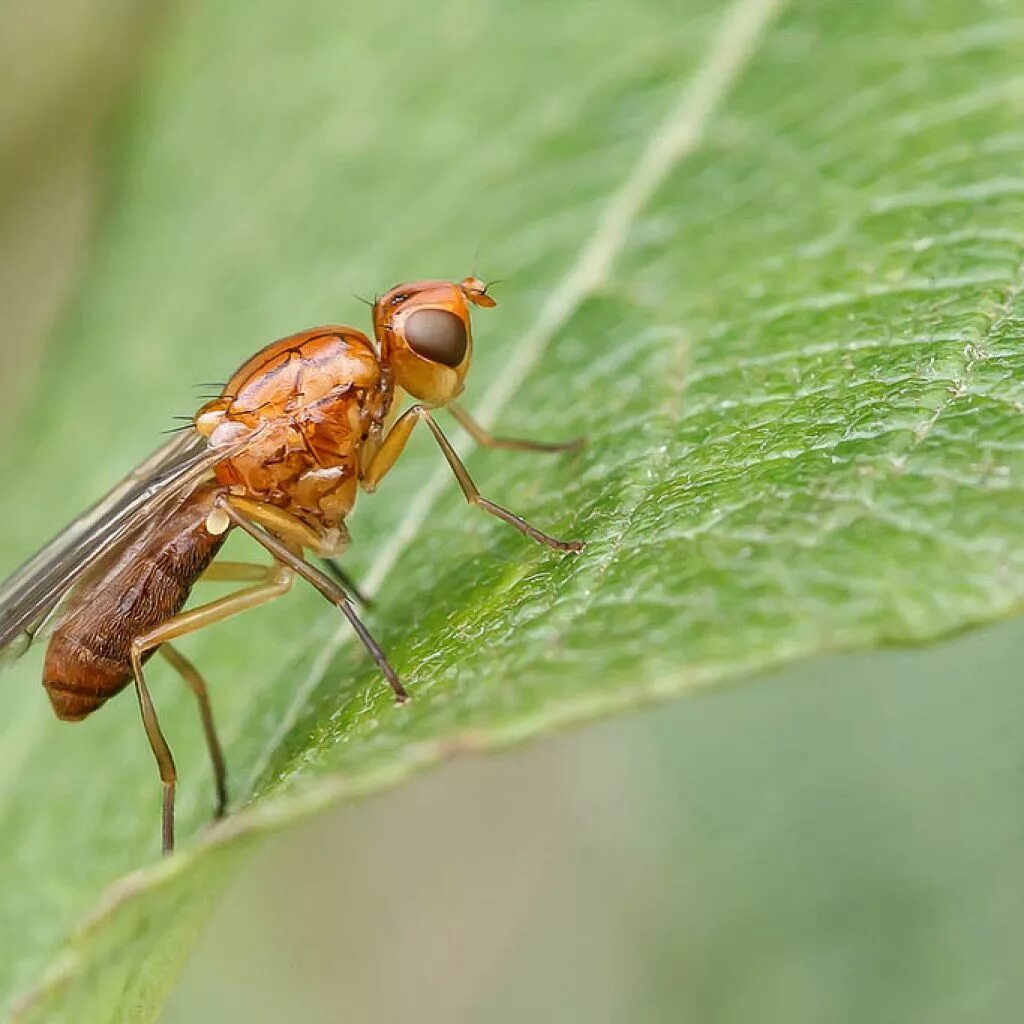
437, 335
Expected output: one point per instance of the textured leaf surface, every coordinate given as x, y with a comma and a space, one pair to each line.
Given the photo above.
768, 258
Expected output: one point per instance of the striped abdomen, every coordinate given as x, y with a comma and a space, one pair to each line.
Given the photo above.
88, 660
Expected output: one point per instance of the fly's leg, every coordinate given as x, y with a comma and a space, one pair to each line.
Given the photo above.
278, 581
282, 524
197, 685
483, 437
266, 531
337, 570
396, 441
161, 751
235, 572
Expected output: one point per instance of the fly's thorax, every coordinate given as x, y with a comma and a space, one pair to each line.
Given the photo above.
290, 376
304, 367
304, 462
310, 402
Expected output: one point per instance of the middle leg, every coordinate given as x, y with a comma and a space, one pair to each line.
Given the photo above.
266, 530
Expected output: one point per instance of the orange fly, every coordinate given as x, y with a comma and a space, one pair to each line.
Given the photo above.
280, 454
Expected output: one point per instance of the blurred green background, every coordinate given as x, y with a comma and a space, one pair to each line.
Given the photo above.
841, 844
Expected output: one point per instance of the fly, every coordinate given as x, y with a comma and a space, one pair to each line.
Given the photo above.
280, 454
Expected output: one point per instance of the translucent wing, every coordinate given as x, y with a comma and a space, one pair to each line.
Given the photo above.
30, 595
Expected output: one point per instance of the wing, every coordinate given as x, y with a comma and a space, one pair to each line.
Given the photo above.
29, 596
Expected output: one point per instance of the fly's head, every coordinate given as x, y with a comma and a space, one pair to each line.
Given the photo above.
423, 328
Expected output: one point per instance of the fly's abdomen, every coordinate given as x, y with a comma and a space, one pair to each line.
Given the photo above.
88, 660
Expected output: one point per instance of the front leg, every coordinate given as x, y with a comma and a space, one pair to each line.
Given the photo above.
395, 442
488, 440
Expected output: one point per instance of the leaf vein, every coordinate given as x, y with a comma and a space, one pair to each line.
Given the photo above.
739, 37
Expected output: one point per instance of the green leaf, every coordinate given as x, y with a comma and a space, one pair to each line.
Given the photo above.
767, 257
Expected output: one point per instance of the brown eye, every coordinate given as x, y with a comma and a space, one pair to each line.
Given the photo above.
437, 335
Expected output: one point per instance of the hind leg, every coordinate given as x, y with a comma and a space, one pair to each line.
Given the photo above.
278, 582
197, 685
